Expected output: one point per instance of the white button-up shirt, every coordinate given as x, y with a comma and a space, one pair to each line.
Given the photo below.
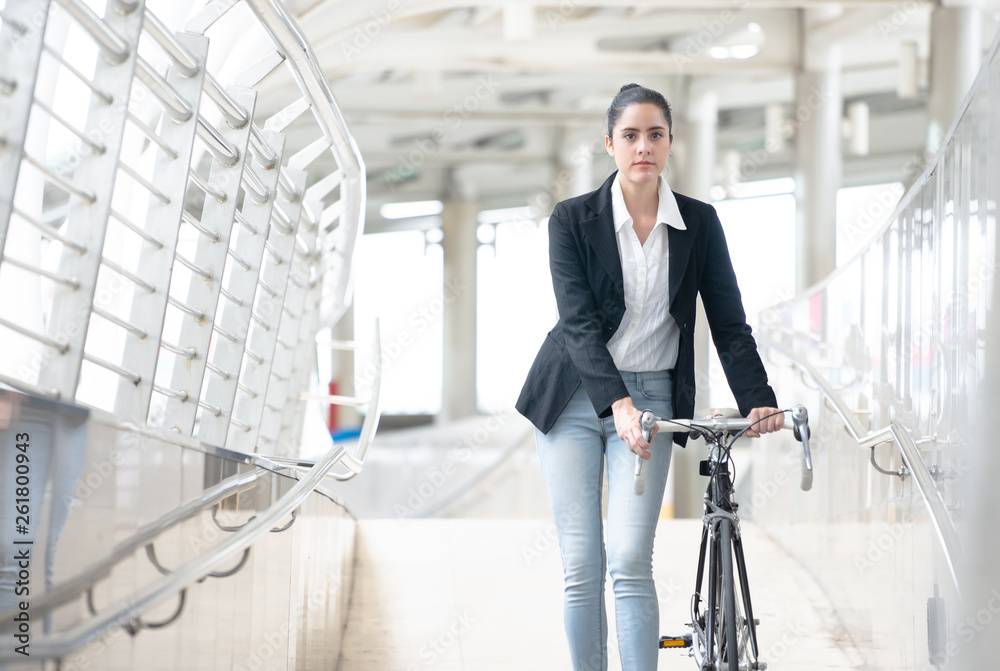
647, 338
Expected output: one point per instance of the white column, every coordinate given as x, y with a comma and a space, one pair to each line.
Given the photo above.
580, 161
956, 54
343, 369
701, 124
818, 103
460, 247
696, 179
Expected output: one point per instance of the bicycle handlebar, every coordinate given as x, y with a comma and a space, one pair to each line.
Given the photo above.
799, 425
646, 422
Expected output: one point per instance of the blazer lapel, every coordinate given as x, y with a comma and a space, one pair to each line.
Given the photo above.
680, 245
600, 232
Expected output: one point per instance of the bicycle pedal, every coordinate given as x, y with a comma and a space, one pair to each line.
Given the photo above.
675, 641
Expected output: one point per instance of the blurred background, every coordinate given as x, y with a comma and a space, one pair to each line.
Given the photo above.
349, 376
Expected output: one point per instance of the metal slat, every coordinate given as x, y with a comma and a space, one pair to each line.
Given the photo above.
247, 252
250, 409
284, 386
118, 35
203, 295
162, 222
290, 332
305, 360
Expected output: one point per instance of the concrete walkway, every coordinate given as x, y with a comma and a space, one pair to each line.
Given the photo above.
486, 595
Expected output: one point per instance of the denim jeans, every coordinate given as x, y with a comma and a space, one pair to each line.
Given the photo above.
572, 456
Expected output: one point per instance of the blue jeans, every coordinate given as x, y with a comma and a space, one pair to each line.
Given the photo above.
572, 456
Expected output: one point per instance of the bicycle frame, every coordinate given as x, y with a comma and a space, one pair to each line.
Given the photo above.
720, 516
724, 634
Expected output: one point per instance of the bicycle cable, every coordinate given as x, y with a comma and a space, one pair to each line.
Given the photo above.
737, 436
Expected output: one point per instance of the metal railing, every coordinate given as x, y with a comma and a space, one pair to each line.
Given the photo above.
904, 333
174, 582
896, 434
185, 265
220, 372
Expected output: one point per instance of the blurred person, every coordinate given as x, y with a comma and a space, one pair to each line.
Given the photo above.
628, 262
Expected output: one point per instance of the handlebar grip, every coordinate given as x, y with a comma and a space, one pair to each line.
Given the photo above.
800, 418
646, 422
807, 477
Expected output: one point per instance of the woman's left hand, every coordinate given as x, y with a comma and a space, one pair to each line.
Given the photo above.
775, 419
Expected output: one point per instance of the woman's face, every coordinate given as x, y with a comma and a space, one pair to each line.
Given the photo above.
640, 143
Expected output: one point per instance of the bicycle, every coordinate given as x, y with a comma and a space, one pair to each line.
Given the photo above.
723, 633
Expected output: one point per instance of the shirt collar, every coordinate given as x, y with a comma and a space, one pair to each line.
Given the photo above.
667, 211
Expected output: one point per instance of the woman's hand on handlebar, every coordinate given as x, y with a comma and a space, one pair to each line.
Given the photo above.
627, 424
772, 419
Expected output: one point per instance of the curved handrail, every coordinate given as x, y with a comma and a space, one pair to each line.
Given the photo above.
893, 433
354, 463
79, 584
129, 608
290, 42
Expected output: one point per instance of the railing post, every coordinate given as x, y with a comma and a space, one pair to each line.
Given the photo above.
87, 221
162, 223
203, 293
249, 409
305, 352
21, 38
274, 431
237, 311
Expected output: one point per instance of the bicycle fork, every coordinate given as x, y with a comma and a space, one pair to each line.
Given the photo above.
704, 624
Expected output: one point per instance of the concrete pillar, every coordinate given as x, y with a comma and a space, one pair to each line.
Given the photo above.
956, 54
695, 178
460, 246
581, 164
342, 363
700, 126
818, 103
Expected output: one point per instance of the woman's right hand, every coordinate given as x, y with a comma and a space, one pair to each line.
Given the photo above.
627, 424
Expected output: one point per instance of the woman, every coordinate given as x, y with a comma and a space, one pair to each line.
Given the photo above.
628, 262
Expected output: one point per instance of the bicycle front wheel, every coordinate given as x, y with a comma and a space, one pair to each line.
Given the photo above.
726, 632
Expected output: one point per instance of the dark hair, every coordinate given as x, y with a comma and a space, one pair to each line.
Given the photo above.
633, 94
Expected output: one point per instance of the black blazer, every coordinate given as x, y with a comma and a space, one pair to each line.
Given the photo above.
587, 278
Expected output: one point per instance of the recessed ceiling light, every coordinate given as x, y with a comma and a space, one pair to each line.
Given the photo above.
417, 208
753, 27
743, 51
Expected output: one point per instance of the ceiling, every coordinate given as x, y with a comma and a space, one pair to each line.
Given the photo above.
486, 99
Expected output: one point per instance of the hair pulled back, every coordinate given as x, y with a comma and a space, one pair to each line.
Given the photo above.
634, 94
